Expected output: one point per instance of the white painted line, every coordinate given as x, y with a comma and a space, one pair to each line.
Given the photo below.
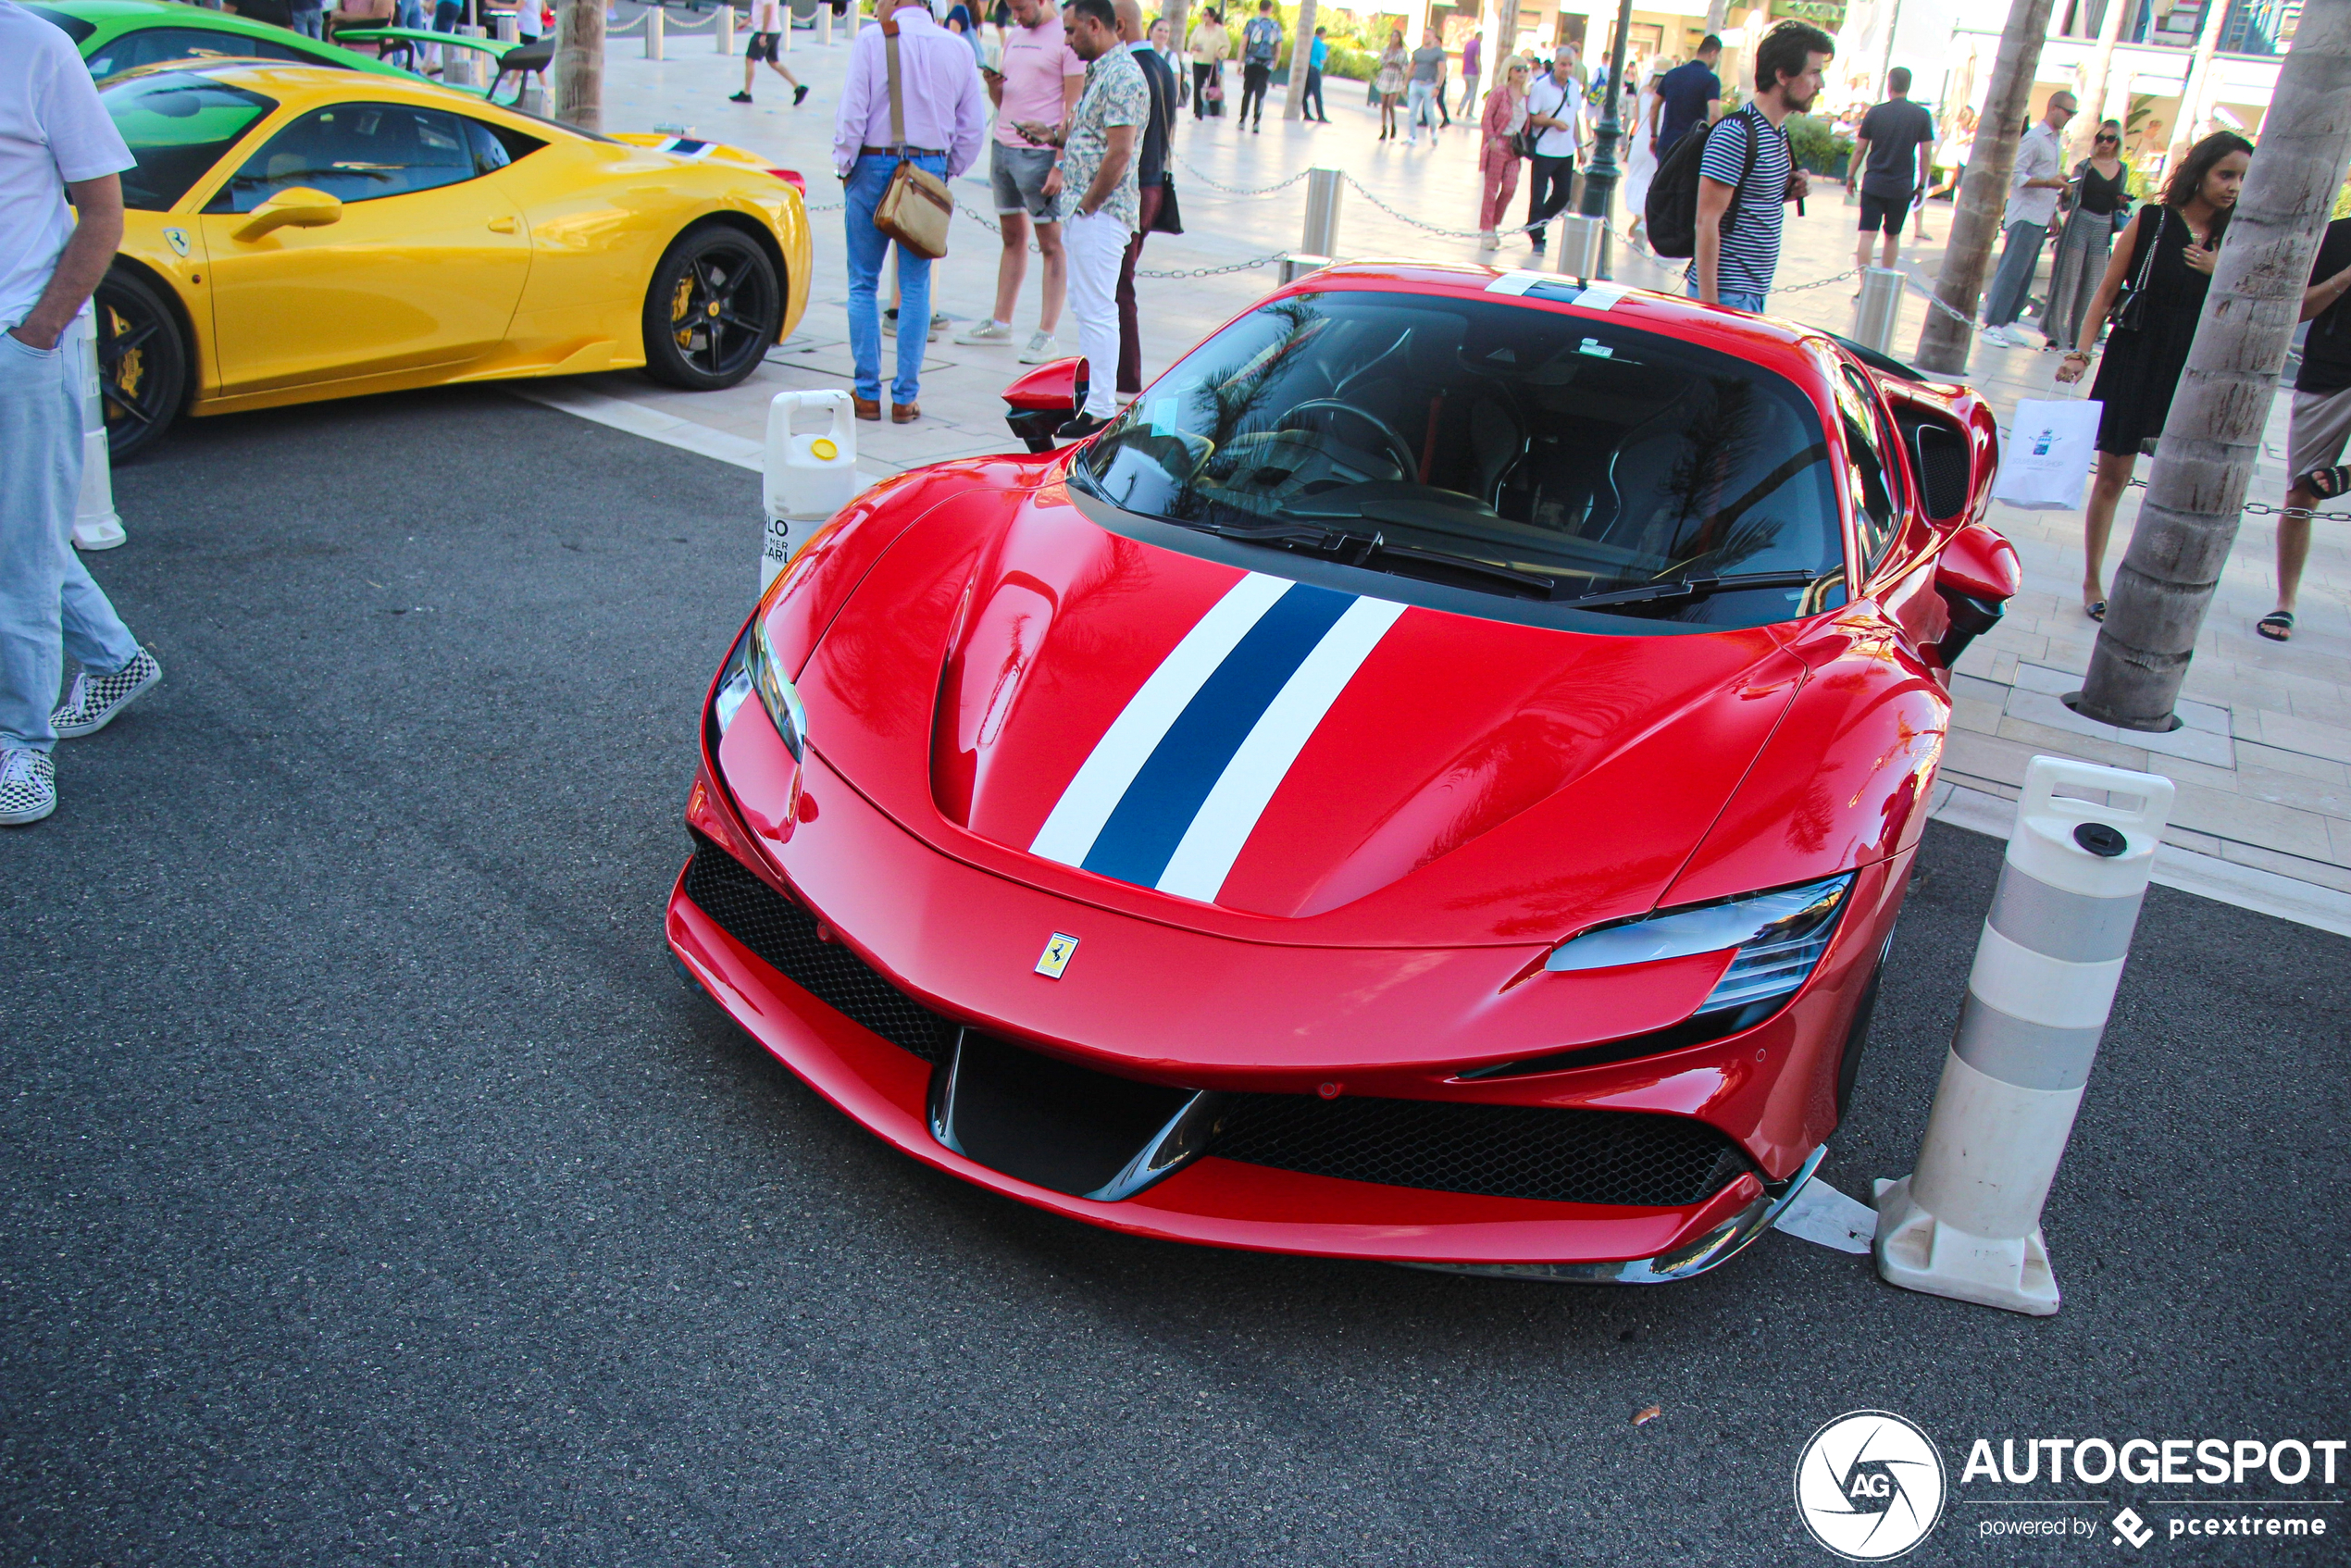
2245, 887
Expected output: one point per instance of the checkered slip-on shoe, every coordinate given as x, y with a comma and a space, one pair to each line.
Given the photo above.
94, 700
28, 787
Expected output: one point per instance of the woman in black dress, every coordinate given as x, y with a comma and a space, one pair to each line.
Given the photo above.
2100, 193
2144, 363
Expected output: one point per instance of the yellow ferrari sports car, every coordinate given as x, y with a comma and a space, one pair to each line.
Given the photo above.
296, 233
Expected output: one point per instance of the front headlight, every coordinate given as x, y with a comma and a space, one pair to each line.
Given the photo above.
1780, 936
752, 666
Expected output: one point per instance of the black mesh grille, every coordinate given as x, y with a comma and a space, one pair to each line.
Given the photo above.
1497, 1150
784, 935
1943, 468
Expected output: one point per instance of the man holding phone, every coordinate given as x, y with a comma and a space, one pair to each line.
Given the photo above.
1038, 86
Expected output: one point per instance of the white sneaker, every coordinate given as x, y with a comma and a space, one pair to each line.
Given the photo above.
1039, 349
2002, 337
1486, 240
28, 787
94, 700
986, 332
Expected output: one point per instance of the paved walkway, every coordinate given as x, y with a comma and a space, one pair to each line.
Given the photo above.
2263, 815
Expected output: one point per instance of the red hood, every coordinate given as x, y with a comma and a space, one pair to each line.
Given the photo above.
1463, 781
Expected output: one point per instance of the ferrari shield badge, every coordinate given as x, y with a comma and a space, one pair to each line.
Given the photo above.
178, 241
1057, 950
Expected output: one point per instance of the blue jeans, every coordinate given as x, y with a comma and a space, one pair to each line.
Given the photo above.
410, 13
868, 179
310, 23
2019, 257
1750, 299
48, 605
1420, 107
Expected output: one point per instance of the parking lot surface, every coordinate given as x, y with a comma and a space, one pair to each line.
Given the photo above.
375, 1194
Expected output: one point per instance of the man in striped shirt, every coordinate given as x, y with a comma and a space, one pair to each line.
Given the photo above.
1747, 177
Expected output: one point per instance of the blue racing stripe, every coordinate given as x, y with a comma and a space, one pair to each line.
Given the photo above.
1151, 819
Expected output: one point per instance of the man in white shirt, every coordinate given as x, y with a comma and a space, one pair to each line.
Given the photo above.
55, 141
2033, 185
1555, 122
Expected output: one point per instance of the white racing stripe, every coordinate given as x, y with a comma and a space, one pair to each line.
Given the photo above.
1226, 818
1076, 818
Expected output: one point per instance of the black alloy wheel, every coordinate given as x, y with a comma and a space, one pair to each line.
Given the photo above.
142, 362
712, 310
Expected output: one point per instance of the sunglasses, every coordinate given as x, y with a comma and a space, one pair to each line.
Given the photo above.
2107, 139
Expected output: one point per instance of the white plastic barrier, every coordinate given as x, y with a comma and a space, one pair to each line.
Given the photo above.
1966, 1223
96, 525
806, 477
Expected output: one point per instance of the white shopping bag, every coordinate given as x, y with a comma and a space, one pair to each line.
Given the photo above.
2052, 444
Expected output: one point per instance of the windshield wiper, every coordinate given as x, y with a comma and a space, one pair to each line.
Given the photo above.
1700, 587
1375, 553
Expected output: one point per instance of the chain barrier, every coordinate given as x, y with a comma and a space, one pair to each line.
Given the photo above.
1236, 190
1251, 264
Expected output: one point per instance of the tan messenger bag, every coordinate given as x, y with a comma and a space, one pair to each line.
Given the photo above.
916, 208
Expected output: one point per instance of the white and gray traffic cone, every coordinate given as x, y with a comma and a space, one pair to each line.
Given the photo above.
96, 525
1966, 1223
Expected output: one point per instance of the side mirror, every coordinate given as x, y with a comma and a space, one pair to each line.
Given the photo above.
296, 207
1976, 576
1044, 400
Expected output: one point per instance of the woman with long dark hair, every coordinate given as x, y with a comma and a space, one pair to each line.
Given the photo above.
2168, 267
2101, 194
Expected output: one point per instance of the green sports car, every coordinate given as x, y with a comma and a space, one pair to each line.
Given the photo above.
118, 35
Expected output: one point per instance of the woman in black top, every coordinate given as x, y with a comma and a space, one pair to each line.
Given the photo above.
2100, 193
2143, 363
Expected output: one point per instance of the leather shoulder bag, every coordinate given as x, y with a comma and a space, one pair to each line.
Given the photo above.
915, 209
2129, 312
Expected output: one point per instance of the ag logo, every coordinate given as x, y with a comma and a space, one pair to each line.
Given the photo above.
1870, 1486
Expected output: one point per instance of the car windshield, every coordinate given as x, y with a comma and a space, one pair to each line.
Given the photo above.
177, 124
1496, 446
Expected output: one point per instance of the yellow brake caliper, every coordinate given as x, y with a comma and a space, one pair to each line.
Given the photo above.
131, 370
681, 312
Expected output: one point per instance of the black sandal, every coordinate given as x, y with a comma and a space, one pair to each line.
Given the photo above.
2095, 611
2327, 483
2277, 626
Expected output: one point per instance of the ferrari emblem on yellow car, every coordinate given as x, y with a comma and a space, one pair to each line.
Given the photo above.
1056, 959
710, 309
178, 240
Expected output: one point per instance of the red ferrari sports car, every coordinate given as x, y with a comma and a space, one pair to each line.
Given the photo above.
1433, 781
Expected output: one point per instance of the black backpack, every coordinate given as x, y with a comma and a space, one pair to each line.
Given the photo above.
1669, 221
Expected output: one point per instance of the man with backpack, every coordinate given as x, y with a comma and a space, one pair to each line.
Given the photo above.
1261, 41
1746, 176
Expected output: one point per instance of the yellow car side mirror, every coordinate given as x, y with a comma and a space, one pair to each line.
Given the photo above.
297, 207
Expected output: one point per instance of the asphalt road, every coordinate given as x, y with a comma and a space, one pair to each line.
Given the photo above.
374, 1194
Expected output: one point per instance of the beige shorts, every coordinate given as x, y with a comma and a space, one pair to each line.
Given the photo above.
2317, 431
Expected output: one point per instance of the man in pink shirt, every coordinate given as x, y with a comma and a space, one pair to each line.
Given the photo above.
1039, 84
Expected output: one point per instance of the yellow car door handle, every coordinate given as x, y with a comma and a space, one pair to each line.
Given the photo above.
501, 225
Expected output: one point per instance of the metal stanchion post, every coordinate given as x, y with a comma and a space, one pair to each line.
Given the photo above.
96, 525
725, 31
1325, 185
652, 32
825, 25
503, 26
1296, 267
1881, 303
1580, 245
466, 63
1966, 1223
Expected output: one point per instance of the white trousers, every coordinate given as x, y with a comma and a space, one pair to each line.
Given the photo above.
1097, 246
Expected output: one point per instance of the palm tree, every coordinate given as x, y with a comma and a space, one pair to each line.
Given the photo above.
1983, 195
2205, 458
2097, 81
579, 63
1301, 49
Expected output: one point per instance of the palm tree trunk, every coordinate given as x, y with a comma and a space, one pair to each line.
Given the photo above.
1301, 49
2199, 82
1983, 194
579, 63
2097, 81
2205, 458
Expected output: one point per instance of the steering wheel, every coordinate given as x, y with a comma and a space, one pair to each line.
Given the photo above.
1398, 449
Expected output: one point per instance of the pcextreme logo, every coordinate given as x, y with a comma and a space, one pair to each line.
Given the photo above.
1870, 1486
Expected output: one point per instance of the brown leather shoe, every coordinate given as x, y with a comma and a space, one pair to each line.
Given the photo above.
866, 407
905, 413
